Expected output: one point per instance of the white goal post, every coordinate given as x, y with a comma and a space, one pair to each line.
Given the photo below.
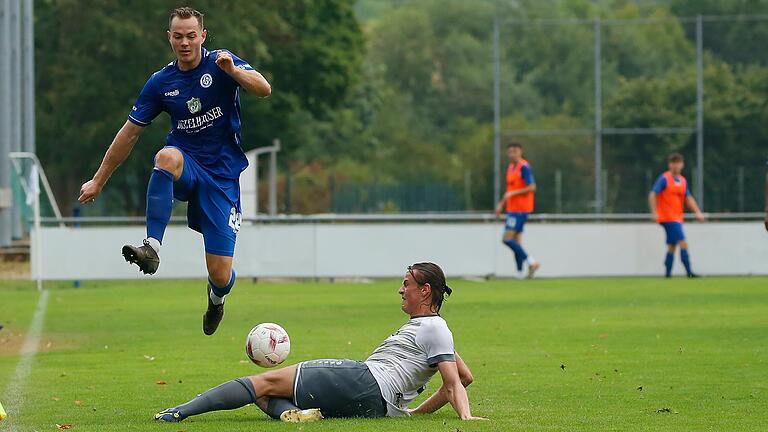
31, 186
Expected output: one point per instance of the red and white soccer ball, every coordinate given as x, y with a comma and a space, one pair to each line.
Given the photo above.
268, 345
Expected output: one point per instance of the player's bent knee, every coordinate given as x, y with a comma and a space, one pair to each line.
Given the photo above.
261, 385
269, 384
220, 276
169, 159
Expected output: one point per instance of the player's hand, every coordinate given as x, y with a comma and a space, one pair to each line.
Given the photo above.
654, 216
89, 191
766, 223
498, 210
224, 61
700, 217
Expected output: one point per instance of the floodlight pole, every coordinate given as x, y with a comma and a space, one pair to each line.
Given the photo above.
28, 53
496, 115
699, 112
15, 55
5, 124
598, 119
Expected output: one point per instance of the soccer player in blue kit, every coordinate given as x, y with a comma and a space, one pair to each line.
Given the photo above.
202, 159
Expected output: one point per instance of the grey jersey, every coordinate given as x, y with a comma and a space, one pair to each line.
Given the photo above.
405, 362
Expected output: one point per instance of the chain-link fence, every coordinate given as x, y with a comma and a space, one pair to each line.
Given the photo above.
599, 105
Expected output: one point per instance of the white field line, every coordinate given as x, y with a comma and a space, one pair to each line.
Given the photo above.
14, 398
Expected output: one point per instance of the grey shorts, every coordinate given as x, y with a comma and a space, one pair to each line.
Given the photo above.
340, 388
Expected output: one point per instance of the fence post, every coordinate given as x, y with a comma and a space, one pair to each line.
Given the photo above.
699, 112
740, 188
273, 177
599, 192
558, 191
467, 189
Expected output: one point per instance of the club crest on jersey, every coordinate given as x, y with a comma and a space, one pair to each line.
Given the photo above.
194, 105
206, 80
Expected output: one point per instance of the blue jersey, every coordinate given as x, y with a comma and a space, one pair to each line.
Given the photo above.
527, 174
204, 105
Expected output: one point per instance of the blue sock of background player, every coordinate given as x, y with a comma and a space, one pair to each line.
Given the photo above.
520, 255
159, 205
686, 261
668, 261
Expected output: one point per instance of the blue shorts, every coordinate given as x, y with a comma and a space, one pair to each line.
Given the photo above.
213, 206
674, 232
516, 221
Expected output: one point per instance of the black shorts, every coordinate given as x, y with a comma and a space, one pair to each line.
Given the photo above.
339, 388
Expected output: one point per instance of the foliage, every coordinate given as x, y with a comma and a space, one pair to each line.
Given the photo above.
403, 98
94, 56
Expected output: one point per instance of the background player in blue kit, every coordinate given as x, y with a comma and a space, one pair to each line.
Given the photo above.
202, 160
518, 201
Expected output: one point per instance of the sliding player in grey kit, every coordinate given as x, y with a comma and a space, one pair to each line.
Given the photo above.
383, 385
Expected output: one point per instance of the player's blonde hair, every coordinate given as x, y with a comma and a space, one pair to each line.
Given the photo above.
184, 13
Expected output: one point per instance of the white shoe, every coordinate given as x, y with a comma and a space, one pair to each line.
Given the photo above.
532, 269
301, 416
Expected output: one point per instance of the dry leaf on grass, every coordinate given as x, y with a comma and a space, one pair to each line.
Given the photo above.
65, 425
161, 382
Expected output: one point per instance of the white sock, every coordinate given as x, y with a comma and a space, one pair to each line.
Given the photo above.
520, 275
155, 243
530, 260
216, 299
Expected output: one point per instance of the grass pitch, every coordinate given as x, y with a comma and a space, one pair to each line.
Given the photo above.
604, 354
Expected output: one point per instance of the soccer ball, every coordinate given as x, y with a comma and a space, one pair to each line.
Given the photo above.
267, 345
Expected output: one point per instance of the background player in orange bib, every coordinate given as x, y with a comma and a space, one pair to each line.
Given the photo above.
518, 200
669, 196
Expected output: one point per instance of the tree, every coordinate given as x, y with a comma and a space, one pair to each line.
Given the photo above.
94, 57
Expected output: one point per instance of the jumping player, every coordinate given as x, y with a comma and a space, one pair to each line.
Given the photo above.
384, 385
202, 159
669, 196
519, 204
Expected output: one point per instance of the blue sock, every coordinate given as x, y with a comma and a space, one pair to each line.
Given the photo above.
668, 263
222, 291
159, 203
520, 254
686, 261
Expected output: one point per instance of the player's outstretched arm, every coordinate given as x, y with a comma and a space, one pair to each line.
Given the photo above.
117, 152
252, 81
440, 398
691, 203
454, 391
652, 205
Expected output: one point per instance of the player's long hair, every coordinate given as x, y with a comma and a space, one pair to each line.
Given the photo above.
431, 273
